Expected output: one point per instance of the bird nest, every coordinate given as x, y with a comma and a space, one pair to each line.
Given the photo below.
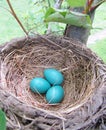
85, 82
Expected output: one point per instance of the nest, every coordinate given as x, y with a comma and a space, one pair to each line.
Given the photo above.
85, 82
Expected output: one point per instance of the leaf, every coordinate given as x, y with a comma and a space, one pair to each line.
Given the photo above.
2, 120
63, 13
77, 3
49, 12
67, 17
52, 11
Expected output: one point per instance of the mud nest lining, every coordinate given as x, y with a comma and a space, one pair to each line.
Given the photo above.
26, 58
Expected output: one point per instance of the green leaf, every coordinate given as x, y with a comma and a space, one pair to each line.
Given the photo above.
49, 12
67, 17
77, 3
2, 120
63, 13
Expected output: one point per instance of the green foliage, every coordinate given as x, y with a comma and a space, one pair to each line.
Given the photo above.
68, 17
33, 18
99, 48
32, 12
77, 3
99, 22
2, 120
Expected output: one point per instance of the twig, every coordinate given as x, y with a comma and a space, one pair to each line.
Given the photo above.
12, 123
50, 41
97, 5
6, 9
89, 8
15, 16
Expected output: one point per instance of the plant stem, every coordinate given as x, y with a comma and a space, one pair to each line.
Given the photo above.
88, 6
95, 6
15, 16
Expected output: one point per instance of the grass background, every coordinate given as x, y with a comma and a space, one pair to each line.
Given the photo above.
99, 48
99, 24
9, 28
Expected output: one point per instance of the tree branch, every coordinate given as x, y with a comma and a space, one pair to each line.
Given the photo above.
88, 6
6, 9
15, 16
96, 5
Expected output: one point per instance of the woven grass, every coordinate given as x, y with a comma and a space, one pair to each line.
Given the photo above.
85, 83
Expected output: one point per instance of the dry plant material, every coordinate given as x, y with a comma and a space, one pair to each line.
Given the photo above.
28, 57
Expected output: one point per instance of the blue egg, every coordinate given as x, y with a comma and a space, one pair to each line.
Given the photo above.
55, 94
53, 76
39, 85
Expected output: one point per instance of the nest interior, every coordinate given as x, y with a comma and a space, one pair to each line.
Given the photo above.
30, 57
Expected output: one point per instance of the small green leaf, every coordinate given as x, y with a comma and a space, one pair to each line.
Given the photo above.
77, 3
49, 12
63, 13
2, 120
67, 17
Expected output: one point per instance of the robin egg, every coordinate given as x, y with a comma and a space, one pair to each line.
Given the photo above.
53, 76
39, 85
55, 94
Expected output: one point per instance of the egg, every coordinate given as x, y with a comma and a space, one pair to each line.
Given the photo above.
55, 94
39, 85
53, 76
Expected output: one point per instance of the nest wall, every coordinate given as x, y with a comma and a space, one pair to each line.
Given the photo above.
85, 81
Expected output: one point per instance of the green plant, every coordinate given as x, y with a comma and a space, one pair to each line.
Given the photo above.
2, 120
67, 16
100, 49
32, 17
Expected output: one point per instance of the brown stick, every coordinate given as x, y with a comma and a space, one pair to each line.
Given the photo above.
15, 16
95, 6
88, 6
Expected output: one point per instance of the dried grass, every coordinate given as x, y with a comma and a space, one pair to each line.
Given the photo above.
28, 59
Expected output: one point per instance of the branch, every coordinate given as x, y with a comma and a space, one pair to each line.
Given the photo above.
90, 7
6, 9
15, 16
97, 5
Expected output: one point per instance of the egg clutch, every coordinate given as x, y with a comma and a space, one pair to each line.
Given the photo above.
50, 85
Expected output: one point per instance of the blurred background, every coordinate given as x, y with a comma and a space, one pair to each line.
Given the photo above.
31, 13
